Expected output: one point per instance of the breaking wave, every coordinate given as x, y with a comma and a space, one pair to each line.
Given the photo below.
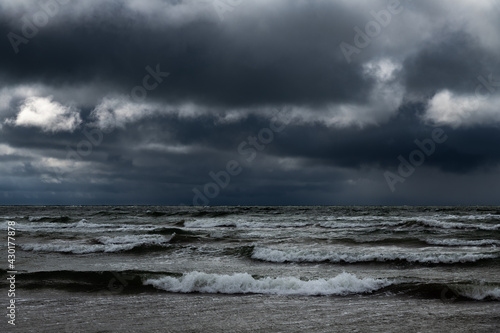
101, 244
244, 283
440, 224
461, 242
60, 219
243, 223
379, 254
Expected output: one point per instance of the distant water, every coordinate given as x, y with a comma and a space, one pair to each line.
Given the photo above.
255, 269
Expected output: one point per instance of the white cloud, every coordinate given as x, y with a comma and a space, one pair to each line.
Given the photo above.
10, 94
167, 148
449, 108
383, 102
48, 115
386, 96
118, 111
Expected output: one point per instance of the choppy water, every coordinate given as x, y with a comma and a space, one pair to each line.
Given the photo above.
213, 269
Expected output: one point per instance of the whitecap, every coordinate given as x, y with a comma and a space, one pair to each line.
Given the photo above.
243, 283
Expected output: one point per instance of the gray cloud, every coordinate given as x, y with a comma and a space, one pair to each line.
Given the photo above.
89, 114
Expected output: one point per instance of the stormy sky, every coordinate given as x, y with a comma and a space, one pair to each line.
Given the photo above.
250, 102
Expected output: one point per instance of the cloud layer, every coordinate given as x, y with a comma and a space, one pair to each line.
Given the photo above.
144, 101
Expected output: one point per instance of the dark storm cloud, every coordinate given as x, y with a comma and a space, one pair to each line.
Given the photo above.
347, 122
446, 62
379, 146
248, 62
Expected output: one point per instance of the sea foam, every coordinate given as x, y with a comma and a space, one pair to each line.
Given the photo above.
353, 255
243, 283
105, 244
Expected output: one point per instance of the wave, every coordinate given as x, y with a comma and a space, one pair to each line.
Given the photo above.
447, 292
170, 231
434, 223
348, 222
108, 281
59, 219
178, 235
375, 254
243, 223
211, 213
113, 212
133, 239
190, 213
488, 217
82, 225
359, 225
479, 292
462, 242
155, 213
362, 222
340, 285
102, 244
244, 283
377, 240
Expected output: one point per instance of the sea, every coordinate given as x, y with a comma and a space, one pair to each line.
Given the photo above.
251, 269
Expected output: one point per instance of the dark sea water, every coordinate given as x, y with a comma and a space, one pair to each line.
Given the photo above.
253, 269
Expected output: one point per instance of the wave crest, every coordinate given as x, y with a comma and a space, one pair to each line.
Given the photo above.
243, 283
428, 255
102, 244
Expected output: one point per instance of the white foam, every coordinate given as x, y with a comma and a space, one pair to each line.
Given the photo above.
83, 223
244, 223
107, 244
479, 292
352, 255
432, 222
80, 226
150, 239
243, 283
362, 224
462, 242
359, 218
488, 216
36, 218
